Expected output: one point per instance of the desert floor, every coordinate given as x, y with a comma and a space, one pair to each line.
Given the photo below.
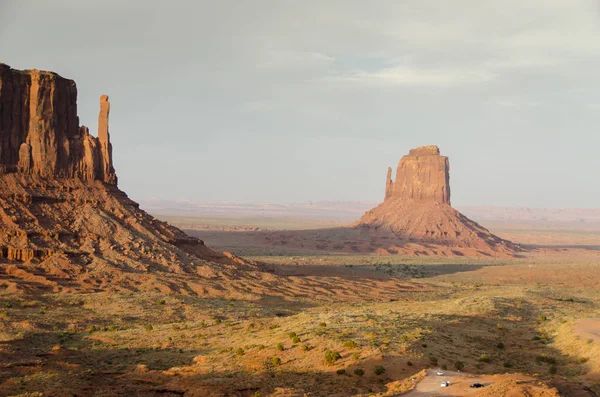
344, 324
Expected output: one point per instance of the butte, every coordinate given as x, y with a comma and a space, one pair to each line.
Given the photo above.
417, 209
64, 223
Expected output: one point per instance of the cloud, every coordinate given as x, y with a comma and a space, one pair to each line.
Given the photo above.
406, 76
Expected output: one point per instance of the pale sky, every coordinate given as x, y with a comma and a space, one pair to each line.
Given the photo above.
286, 101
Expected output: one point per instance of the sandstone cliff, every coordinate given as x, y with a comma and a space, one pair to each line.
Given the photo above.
40, 133
417, 207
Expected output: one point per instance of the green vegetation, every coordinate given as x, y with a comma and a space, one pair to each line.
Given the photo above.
331, 357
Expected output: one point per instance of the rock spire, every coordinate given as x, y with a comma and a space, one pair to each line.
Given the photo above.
40, 133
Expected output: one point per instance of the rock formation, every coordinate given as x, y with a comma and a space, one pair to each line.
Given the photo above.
40, 133
64, 224
417, 207
422, 175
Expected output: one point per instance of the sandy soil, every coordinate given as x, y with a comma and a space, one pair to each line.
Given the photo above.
588, 328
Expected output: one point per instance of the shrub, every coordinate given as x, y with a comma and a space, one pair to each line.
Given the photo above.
280, 347
356, 356
500, 345
92, 328
552, 369
459, 365
359, 372
484, 358
304, 348
500, 326
240, 351
276, 361
543, 358
341, 372
379, 370
424, 344
162, 302
409, 363
433, 360
542, 318
331, 357
295, 339
292, 335
217, 320
507, 364
322, 325
350, 344
148, 327
583, 359
536, 338
444, 367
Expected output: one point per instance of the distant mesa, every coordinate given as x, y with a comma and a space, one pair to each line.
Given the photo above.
417, 207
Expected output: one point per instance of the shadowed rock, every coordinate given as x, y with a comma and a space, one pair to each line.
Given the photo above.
40, 133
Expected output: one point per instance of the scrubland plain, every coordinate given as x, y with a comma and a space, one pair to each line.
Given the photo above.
347, 324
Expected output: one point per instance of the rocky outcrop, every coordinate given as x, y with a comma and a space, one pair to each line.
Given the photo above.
40, 133
422, 175
417, 207
64, 224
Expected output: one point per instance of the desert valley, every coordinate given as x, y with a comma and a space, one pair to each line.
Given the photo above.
100, 298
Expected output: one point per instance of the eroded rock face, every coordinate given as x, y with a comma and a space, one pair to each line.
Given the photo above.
422, 175
40, 133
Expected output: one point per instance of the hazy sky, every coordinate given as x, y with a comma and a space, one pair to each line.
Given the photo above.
279, 101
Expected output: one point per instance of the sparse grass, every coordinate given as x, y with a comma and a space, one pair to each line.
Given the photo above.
350, 344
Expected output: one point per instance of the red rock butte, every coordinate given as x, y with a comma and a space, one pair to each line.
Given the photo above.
64, 224
417, 207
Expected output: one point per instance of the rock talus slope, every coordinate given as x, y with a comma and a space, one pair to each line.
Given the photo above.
417, 207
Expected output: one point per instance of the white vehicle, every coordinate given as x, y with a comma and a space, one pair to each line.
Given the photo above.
440, 373
445, 384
